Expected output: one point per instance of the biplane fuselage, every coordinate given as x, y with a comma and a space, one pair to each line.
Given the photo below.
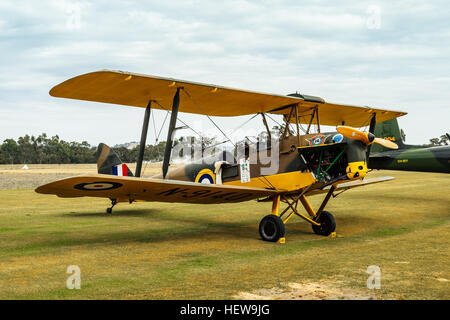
299, 165
296, 167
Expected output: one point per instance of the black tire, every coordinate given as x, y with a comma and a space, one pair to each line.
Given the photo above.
109, 210
271, 228
327, 224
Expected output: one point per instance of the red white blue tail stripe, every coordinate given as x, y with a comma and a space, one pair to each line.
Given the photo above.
120, 170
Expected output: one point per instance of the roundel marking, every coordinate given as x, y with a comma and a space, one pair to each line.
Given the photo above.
317, 140
205, 176
98, 186
338, 138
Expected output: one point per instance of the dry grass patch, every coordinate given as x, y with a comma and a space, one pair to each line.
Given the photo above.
307, 291
182, 251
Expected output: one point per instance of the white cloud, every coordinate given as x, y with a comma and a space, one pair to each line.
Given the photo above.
318, 48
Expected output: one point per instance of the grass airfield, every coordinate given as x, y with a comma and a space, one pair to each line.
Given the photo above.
184, 251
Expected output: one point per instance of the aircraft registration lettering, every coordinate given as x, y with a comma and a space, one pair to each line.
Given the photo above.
186, 193
239, 196
219, 196
172, 191
200, 193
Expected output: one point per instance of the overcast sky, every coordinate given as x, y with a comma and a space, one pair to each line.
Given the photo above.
386, 54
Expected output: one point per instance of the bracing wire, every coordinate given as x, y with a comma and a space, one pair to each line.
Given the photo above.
159, 133
201, 109
178, 118
162, 126
243, 124
273, 119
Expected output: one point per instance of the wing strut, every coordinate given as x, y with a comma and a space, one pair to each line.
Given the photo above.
267, 126
143, 139
318, 122
296, 122
311, 120
173, 122
373, 123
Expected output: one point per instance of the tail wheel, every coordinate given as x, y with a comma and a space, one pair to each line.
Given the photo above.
271, 228
327, 224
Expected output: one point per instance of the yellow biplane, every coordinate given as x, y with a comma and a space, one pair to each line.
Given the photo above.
306, 164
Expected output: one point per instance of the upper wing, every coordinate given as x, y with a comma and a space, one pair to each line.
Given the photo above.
332, 114
132, 188
137, 90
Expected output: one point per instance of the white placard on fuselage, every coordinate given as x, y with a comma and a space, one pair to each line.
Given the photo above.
245, 170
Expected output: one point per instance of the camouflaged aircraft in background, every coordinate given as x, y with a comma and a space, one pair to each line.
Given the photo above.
406, 157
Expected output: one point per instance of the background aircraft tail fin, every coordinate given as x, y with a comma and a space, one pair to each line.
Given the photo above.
109, 163
388, 130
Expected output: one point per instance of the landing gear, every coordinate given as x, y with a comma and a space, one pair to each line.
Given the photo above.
271, 228
327, 224
113, 203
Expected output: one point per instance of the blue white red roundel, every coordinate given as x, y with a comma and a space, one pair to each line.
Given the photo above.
96, 186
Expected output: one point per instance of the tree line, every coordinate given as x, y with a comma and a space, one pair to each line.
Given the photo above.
441, 141
53, 150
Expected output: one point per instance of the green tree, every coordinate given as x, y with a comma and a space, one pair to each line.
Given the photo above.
444, 140
25, 149
10, 151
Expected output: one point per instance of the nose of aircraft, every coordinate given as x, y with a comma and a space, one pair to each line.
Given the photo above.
356, 170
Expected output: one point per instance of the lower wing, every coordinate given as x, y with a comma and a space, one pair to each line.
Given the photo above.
125, 189
352, 184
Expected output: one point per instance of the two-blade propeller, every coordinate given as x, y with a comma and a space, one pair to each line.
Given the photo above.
365, 137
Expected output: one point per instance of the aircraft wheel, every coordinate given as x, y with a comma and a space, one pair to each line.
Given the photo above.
271, 228
327, 224
113, 203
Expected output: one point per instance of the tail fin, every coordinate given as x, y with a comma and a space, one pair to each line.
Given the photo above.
109, 163
388, 130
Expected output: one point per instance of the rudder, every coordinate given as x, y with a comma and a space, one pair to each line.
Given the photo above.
109, 162
388, 130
